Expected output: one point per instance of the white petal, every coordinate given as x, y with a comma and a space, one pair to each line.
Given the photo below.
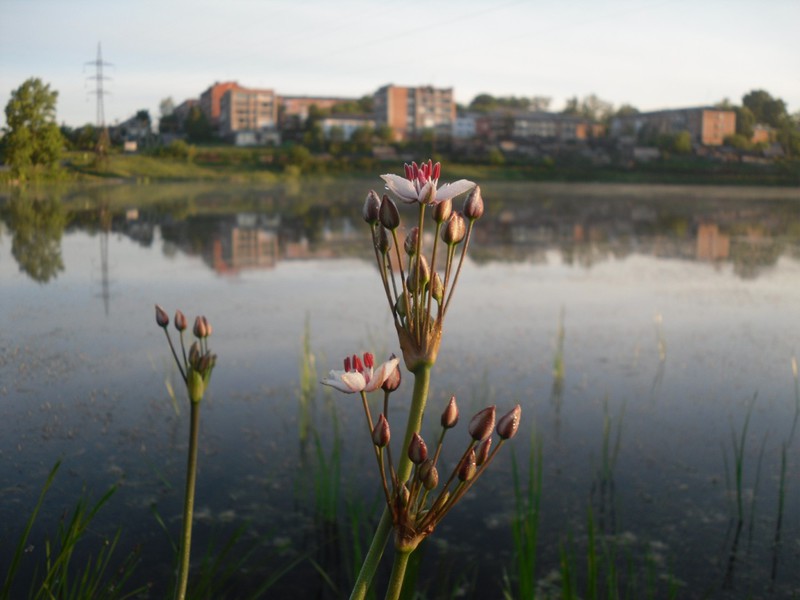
401, 187
348, 382
380, 375
451, 190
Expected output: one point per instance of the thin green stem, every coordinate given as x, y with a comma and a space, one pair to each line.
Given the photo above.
175, 355
398, 575
422, 380
188, 502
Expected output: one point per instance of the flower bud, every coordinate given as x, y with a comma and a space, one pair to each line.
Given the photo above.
450, 414
384, 242
509, 423
199, 328
372, 207
482, 453
209, 329
438, 288
412, 238
420, 273
467, 466
388, 213
162, 318
392, 382
443, 210
455, 229
429, 475
400, 305
194, 355
481, 425
417, 450
381, 433
404, 495
473, 205
180, 320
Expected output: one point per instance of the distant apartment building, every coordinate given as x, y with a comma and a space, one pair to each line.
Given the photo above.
554, 126
707, 126
211, 99
409, 111
246, 110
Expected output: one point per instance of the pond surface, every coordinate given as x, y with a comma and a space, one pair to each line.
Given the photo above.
648, 332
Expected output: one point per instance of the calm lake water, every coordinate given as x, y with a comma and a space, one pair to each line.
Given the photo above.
675, 312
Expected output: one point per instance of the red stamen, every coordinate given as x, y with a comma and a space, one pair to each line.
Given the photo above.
430, 168
409, 171
347, 364
357, 364
369, 360
437, 170
414, 169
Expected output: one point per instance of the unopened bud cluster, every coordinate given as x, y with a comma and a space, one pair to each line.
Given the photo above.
418, 295
419, 504
196, 365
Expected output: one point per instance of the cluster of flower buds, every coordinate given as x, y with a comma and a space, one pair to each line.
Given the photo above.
417, 320
196, 366
419, 504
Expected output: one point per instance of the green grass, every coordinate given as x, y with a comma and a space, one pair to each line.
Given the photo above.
58, 575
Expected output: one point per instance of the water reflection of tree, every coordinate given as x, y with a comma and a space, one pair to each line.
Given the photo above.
753, 251
37, 225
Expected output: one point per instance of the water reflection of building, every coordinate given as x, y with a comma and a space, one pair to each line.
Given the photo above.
243, 244
712, 244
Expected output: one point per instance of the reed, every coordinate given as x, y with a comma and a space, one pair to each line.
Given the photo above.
525, 521
60, 577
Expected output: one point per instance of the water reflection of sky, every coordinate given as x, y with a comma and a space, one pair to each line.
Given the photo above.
673, 321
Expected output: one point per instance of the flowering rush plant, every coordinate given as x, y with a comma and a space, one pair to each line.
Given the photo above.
418, 294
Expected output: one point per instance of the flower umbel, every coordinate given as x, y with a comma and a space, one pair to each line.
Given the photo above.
417, 293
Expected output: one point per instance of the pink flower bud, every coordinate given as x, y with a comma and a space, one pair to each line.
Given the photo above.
209, 329
509, 423
393, 380
455, 229
388, 214
417, 450
419, 273
180, 320
482, 453
381, 433
372, 207
199, 328
443, 210
450, 414
162, 318
428, 474
473, 205
481, 425
467, 466
410, 244
383, 242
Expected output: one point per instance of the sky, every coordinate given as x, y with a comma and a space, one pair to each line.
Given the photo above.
650, 54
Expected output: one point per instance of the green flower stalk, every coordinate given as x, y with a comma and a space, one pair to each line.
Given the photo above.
195, 369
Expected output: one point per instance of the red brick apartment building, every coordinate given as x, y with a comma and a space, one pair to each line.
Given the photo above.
211, 98
411, 110
707, 126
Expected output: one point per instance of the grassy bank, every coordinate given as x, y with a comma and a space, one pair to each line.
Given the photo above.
247, 165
